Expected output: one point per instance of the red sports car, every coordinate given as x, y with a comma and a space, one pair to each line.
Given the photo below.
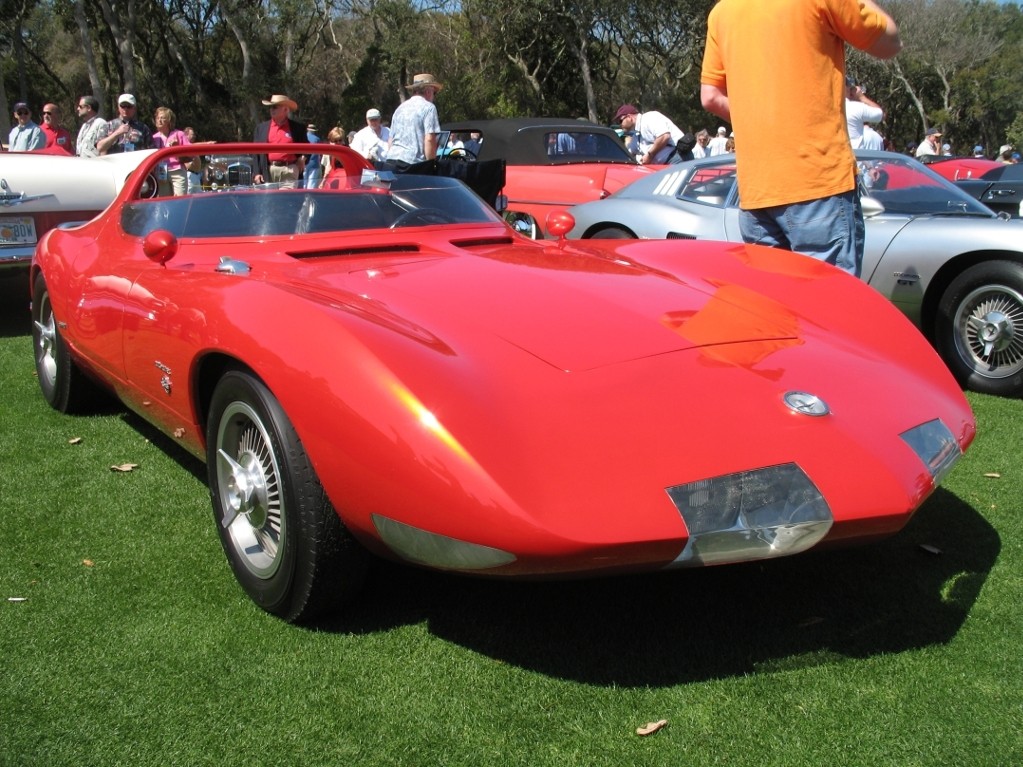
382, 365
550, 163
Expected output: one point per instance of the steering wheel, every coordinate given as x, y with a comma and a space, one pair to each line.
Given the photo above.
461, 153
423, 217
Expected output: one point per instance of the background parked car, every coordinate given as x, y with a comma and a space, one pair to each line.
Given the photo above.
551, 164
949, 263
39, 191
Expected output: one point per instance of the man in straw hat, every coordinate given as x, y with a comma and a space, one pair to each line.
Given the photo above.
415, 126
280, 165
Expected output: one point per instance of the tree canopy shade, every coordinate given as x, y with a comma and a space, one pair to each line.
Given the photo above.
212, 61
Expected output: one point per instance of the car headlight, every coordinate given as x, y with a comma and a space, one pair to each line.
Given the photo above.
433, 550
758, 514
936, 446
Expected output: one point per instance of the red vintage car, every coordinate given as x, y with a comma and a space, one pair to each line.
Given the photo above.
550, 163
382, 365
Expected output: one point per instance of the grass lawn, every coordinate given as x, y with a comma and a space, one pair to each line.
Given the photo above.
134, 646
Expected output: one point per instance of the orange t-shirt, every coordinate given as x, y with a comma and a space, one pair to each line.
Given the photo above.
782, 65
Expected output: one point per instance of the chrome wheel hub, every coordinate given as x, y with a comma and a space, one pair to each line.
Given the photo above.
248, 486
46, 345
989, 335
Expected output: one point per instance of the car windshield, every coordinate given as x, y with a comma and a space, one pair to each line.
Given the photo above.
904, 186
900, 184
226, 203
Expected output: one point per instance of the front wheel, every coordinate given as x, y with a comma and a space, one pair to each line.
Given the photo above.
61, 381
979, 329
286, 545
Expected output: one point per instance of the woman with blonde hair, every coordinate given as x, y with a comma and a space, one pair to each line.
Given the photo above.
172, 177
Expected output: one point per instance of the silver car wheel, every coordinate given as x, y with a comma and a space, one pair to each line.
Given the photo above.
249, 483
989, 330
46, 344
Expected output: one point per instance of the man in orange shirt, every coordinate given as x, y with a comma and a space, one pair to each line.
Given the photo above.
769, 66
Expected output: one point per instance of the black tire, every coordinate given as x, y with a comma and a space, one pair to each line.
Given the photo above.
63, 384
286, 545
979, 328
612, 233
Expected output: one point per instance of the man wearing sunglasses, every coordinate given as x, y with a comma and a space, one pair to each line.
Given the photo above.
25, 136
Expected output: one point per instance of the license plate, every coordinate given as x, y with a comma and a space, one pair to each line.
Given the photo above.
17, 230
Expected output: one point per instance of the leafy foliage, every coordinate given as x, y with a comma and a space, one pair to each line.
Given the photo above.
213, 60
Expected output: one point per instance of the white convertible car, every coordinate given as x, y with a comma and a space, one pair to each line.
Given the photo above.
40, 191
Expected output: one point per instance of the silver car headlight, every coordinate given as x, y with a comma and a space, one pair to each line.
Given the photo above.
758, 514
936, 446
433, 550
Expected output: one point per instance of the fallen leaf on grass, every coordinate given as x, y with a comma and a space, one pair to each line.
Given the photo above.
651, 727
88, 562
74, 440
993, 475
17, 599
124, 467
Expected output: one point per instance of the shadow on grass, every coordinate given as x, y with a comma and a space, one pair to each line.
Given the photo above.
15, 318
694, 625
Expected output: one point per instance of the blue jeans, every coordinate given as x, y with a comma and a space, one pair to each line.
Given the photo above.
830, 229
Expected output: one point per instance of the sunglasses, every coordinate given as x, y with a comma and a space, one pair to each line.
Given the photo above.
48, 114
21, 112
126, 106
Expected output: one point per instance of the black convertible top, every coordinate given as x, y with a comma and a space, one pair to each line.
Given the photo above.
545, 141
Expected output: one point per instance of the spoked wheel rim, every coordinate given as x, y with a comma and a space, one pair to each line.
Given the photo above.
46, 343
989, 331
249, 486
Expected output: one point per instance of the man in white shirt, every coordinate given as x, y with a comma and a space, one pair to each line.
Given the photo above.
719, 144
371, 141
859, 110
660, 140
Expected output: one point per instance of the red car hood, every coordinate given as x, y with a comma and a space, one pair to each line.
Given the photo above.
636, 311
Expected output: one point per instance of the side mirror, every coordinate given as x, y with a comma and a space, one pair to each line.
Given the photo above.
560, 223
160, 246
871, 206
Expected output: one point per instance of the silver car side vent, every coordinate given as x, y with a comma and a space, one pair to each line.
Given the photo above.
679, 236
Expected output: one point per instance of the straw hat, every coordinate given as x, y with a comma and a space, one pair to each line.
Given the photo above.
425, 79
279, 99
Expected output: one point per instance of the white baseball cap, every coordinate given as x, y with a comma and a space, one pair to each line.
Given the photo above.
373, 114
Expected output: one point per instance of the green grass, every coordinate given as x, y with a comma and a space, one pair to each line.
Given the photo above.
136, 647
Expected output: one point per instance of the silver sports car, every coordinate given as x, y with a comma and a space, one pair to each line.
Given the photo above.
950, 264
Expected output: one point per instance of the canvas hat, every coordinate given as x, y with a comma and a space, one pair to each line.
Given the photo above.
624, 111
126, 98
425, 79
978, 149
311, 128
279, 99
722, 130
373, 114
1005, 148
933, 132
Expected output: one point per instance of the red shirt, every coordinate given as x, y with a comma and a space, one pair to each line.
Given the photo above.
59, 137
280, 135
